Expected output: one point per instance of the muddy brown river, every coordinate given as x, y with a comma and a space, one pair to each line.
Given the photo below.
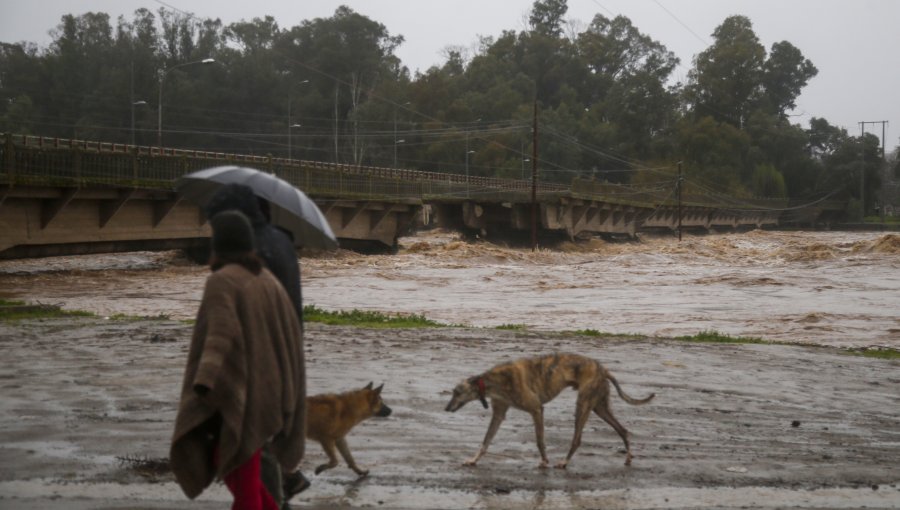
830, 288
86, 402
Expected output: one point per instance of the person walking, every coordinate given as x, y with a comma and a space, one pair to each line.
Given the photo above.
244, 386
276, 249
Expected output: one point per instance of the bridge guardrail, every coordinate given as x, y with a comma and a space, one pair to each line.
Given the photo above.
40, 160
54, 161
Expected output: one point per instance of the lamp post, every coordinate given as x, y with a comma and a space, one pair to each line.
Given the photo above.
396, 143
289, 123
290, 137
467, 166
467, 159
133, 104
162, 79
404, 105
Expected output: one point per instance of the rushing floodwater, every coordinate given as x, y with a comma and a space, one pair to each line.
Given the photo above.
834, 288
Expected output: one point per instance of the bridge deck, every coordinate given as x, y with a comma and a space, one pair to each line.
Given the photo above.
56, 192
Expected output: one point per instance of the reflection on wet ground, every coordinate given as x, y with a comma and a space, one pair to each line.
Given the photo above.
834, 288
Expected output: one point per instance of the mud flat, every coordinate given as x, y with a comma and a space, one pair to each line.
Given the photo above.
86, 402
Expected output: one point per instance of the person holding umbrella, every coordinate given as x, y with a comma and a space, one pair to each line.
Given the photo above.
273, 245
276, 249
243, 385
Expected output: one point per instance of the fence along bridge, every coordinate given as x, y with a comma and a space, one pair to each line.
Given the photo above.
61, 196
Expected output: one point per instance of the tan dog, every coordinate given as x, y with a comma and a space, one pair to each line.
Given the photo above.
529, 383
329, 419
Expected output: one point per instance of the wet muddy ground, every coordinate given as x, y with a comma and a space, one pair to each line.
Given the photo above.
759, 426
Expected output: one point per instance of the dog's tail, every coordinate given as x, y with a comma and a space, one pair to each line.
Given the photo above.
626, 398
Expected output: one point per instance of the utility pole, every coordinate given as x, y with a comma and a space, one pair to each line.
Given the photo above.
862, 172
678, 188
534, 162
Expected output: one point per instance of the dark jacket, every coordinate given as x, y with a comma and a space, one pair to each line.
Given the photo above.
273, 246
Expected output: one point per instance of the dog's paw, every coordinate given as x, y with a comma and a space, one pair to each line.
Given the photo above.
363, 473
561, 464
470, 463
543, 465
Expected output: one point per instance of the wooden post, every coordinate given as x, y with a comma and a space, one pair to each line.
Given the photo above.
534, 162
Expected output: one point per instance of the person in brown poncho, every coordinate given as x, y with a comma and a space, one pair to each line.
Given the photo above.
243, 386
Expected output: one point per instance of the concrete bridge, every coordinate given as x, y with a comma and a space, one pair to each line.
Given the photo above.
62, 196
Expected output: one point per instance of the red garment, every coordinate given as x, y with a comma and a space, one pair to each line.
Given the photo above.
245, 484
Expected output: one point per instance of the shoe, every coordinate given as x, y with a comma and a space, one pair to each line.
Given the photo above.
294, 483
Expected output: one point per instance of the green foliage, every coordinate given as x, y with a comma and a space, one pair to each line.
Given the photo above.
714, 337
607, 106
364, 319
877, 353
512, 327
589, 332
768, 182
12, 310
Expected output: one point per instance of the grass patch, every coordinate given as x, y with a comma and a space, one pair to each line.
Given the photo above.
365, 319
595, 333
12, 310
876, 352
714, 337
588, 332
134, 318
513, 327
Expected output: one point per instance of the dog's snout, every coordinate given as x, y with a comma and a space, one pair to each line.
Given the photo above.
384, 411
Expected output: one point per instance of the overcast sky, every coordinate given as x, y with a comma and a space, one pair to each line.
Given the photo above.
853, 43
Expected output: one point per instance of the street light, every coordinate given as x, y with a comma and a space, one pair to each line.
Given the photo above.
404, 105
291, 136
162, 79
467, 159
467, 167
133, 104
396, 143
289, 124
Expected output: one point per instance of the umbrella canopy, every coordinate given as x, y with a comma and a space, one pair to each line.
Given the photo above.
290, 208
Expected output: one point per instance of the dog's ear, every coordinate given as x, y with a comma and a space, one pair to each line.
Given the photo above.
378, 389
369, 386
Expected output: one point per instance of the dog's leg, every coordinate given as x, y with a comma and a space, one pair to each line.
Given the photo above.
538, 417
602, 409
345, 453
582, 413
328, 446
499, 413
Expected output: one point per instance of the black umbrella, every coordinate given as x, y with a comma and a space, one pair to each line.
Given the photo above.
290, 208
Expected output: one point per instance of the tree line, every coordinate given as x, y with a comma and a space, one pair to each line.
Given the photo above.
333, 89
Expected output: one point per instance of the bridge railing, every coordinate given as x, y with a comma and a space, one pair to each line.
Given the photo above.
55, 161
39, 160
644, 197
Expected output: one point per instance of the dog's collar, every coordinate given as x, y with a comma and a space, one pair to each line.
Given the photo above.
479, 383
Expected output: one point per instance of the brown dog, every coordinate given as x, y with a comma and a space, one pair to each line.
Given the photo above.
330, 417
529, 383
